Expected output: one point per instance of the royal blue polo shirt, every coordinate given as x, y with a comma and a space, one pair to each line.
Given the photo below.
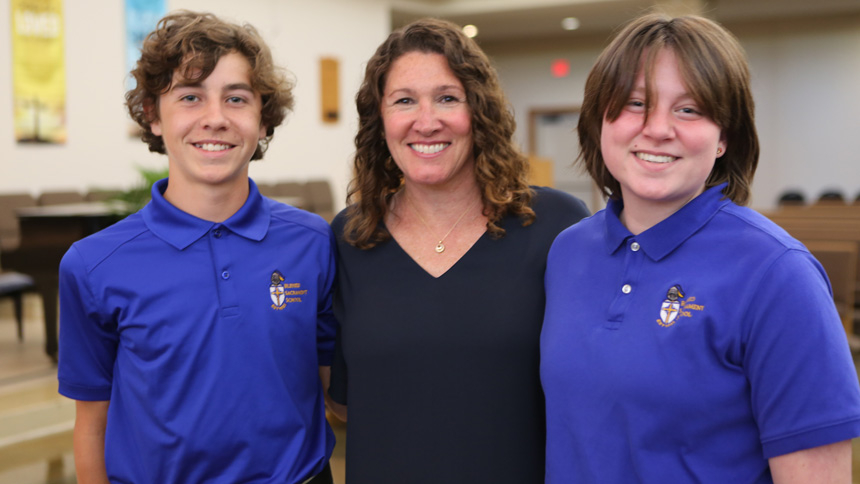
691, 352
206, 338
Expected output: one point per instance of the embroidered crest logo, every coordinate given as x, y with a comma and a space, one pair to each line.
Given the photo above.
676, 307
283, 293
277, 292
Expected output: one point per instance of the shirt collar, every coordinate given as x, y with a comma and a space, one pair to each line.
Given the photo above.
181, 229
660, 240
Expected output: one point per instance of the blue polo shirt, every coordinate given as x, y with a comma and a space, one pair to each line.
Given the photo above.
691, 352
206, 338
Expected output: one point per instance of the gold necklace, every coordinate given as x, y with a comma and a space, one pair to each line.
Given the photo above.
440, 247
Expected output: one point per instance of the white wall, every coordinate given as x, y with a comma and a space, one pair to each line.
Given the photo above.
99, 152
805, 84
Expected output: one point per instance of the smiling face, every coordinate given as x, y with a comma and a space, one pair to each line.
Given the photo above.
211, 127
427, 121
664, 162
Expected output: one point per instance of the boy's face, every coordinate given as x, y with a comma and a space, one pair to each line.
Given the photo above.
211, 127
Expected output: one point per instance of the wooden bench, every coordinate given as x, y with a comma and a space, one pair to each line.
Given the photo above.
832, 234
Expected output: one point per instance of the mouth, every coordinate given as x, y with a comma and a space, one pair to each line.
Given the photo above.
655, 158
213, 146
429, 149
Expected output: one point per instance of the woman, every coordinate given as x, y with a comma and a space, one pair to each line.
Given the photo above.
440, 276
687, 338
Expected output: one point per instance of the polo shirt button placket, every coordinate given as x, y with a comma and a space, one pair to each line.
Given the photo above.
634, 246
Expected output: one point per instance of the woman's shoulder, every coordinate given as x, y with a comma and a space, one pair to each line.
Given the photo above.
339, 222
549, 202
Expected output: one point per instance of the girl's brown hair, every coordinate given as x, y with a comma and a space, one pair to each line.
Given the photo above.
715, 71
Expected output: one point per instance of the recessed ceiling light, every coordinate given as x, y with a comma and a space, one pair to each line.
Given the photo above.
570, 23
471, 31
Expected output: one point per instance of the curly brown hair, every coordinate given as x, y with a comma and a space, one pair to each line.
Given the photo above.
501, 170
194, 43
714, 68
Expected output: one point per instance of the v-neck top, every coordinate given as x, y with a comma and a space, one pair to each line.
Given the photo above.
441, 374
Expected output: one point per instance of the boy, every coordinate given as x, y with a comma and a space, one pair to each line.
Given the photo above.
191, 331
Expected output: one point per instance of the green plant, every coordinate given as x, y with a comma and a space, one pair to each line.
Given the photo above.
137, 196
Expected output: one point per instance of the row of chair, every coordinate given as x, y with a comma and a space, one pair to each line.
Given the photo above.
313, 195
796, 197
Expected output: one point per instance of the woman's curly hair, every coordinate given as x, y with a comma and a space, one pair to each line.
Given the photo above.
501, 170
192, 43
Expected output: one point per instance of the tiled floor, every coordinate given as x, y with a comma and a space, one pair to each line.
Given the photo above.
28, 379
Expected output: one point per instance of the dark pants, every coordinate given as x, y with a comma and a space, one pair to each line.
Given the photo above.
324, 477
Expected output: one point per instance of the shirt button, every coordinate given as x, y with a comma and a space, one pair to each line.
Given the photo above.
217, 233
634, 246
225, 275
626, 289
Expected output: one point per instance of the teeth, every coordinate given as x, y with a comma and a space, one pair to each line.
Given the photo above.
212, 147
655, 158
429, 149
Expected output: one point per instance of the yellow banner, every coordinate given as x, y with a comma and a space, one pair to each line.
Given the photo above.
38, 71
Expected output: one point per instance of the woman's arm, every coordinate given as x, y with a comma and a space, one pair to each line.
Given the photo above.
828, 464
89, 441
337, 409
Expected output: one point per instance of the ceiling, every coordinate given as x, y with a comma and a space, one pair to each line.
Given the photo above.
530, 20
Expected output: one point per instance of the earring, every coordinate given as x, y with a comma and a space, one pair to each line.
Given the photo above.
719, 151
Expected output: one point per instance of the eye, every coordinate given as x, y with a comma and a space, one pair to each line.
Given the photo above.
403, 100
689, 112
635, 105
448, 98
235, 99
189, 98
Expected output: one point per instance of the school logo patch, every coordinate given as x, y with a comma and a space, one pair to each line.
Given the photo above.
277, 292
675, 306
283, 293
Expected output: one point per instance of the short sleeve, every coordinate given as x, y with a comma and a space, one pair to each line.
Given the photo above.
804, 385
88, 344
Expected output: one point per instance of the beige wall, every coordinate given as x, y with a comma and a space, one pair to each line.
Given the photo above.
805, 77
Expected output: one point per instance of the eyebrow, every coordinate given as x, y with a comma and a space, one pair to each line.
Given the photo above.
229, 87
442, 88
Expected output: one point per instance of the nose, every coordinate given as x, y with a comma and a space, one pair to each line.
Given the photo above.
213, 116
427, 119
659, 124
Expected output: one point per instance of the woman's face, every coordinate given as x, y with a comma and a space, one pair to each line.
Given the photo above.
664, 162
427, 122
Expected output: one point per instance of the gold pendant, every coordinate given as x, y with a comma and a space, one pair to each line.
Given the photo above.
440, 247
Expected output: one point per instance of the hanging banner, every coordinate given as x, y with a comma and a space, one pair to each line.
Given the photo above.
38, 71
141, 17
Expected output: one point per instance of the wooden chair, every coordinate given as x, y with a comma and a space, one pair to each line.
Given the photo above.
100, 195
10, 234
266, 189
60, 197
14, 285
320, 200
292, 193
